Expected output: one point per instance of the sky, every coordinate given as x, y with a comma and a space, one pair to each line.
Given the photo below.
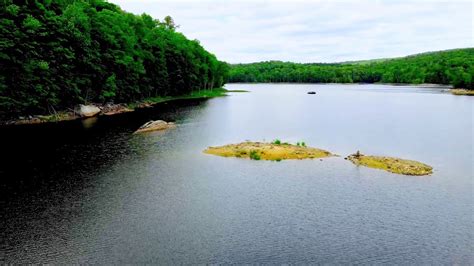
242, 31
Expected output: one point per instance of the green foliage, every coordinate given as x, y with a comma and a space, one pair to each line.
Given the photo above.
56, 54
254, 155
454, 67
13, 9
218, 92
277, 142
302, 144
110, 88
30, 23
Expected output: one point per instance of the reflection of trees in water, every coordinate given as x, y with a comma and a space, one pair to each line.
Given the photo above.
52, 171
43, 157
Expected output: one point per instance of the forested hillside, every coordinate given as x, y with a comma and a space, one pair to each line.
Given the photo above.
55, 54
454, 67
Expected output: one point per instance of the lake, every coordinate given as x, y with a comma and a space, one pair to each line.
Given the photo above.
93, 192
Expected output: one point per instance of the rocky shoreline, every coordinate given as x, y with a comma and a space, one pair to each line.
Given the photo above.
80, 112
108, 109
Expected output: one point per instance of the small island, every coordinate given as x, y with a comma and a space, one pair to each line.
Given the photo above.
275, 151
391, 164
462, 92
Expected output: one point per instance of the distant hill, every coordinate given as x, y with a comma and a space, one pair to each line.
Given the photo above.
454, 67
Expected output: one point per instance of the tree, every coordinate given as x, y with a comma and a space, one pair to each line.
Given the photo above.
55, 54
454, 67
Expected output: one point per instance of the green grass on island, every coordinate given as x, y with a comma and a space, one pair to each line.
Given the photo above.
391, 164
275, 151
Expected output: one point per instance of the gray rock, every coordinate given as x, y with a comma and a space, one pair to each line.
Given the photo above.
155, 125
87, 110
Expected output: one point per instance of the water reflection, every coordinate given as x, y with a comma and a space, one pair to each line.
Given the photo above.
89, 122
105, 195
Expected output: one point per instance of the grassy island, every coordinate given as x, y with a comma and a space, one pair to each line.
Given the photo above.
274, 151
390, 164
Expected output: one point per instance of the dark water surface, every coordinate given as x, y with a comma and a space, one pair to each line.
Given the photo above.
92, 192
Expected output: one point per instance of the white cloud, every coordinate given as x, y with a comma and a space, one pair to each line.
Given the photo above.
316, 31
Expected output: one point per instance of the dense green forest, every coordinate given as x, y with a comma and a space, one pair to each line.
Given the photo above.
454, 67
55, 54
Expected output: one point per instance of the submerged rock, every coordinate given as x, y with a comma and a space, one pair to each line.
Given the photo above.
155, 125
391, 164
267, 151
87, 110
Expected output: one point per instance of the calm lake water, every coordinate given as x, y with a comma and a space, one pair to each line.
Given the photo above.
92, 192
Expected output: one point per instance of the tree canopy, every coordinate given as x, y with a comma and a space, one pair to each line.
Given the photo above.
55, 54
454, 67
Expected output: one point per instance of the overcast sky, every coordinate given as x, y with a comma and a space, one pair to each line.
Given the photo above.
316, 31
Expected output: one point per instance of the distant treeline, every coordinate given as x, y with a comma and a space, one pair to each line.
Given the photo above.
454, 67
55, 54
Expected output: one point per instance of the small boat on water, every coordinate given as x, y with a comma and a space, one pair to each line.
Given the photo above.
311, 92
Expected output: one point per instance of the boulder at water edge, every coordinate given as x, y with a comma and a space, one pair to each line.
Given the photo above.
87, 110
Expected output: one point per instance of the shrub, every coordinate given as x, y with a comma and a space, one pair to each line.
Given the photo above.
254, 155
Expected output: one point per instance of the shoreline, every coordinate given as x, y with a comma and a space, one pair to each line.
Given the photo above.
120, 108
112, 109
426, 85
461, 92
